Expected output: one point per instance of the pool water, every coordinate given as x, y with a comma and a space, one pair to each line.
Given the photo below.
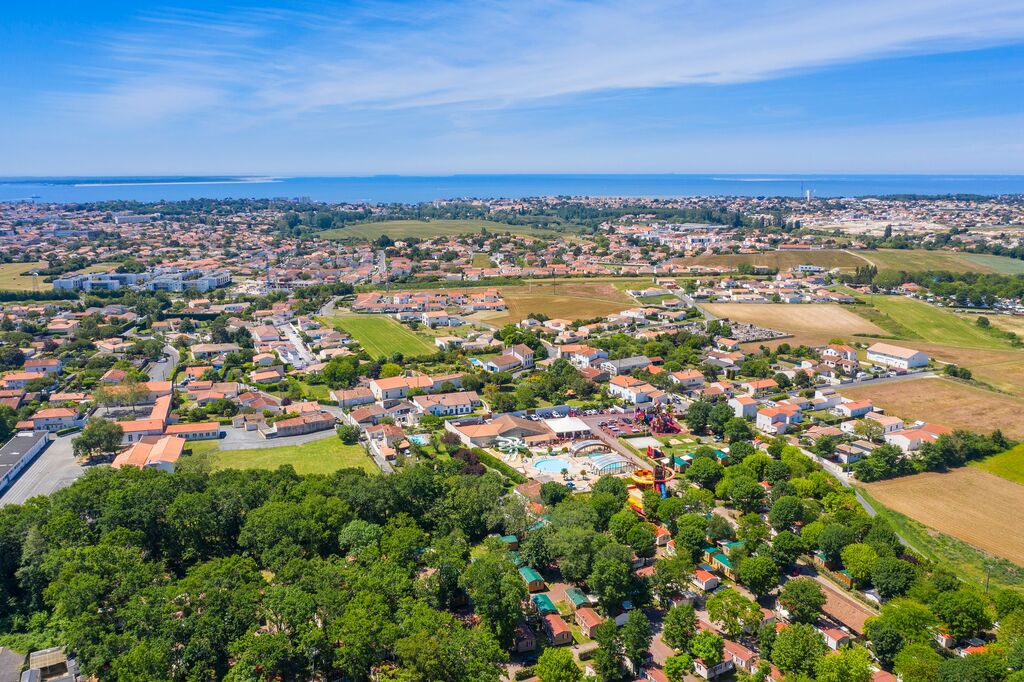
419, 439
551, 465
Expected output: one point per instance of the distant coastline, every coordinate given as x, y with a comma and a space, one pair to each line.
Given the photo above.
415, 189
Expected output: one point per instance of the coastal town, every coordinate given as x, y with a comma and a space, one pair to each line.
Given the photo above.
665, 426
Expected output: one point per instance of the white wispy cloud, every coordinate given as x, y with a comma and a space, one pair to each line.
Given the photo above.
380, 54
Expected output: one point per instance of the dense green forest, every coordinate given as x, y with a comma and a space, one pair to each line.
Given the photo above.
260, 575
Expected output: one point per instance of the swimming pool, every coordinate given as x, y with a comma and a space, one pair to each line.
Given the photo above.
551, 465
419, 439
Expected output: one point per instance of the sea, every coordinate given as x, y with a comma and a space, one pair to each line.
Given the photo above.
416, 189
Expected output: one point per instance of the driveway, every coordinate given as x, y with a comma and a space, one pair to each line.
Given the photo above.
54, 468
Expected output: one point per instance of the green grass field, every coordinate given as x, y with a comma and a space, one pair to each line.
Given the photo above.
782, 260
970, 563
11, 277
97, 267
424, 229
482, 260
933, 324
382, 336
319, 457
1008, 465
952, 261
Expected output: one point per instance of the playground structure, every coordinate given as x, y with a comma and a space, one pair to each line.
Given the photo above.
656, 478
659, 419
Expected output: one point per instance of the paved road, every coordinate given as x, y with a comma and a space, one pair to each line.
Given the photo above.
161, 369
300, 347
54, 468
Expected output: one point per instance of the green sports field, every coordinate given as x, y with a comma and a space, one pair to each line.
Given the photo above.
318, 457
425, 229
382, 336
934, 324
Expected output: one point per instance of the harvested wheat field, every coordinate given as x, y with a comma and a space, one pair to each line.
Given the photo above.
944, 401
565, 300
970, 504
812, 323
1001, 368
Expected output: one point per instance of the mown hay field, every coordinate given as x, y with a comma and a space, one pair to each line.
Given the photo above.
570, 300
968, 503
810, 323
13, 277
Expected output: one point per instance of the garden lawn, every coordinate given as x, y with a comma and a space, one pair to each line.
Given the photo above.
317, 457
382, 336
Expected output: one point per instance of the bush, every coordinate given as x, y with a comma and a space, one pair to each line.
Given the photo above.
70, 429
492, 462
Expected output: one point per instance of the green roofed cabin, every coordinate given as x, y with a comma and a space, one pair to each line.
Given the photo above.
534, 582
511, 541
516, 558
576, 596
543, 604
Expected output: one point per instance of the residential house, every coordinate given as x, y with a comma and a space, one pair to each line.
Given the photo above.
687, 379
557, 631
447, 404
56, 419
588, 619
152, 452
854, 408
743, 406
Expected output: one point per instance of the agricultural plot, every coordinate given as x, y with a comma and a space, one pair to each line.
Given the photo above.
972, 564
13, 277
426, 229
783, 260
323, 456
381, 336
812, 324
1002, 369
1009, 323
967, 503
947, 402
934, 324
1008, 465
951, 261
571, 300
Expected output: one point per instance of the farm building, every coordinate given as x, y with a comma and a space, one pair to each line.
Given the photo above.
896, 356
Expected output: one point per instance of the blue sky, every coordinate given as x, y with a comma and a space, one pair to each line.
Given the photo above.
443, 86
